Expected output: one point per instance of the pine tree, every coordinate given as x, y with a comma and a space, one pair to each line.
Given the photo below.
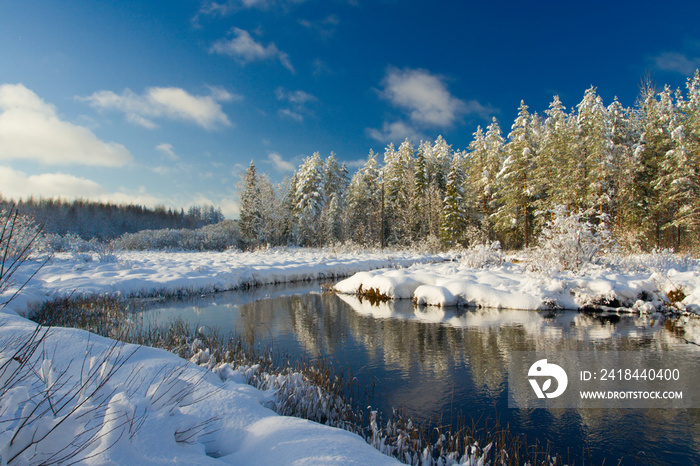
454, 215
364, 203
250, 224
336, 185
483, 164
310, 199
399, 185
515, 184
625, 140
594, 170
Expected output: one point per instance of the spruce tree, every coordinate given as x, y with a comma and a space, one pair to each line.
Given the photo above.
250, 223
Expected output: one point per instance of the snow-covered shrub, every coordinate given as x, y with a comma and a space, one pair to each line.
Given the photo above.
18, 241
217, 237
483, 255
71, 415
569, 241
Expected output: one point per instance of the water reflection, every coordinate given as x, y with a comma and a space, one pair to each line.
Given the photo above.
436, 362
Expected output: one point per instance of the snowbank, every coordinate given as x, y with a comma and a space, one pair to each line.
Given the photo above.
175, 273
150, 408
512, 286
153, 407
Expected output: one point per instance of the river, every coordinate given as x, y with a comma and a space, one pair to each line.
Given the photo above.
447, 364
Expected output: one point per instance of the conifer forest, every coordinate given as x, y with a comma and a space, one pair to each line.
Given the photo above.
631, 171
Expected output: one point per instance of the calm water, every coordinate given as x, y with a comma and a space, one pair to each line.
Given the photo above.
438, 363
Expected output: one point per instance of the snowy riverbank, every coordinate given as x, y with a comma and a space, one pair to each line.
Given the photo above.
71, 394
633, 283
154, 408
148, 273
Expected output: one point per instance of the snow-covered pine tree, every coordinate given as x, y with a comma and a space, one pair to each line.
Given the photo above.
651, 184
250, 224
310, 199
453, 221
272, 228
625, 139
336, 185
557, 165
399, 185
594, 168
433, 164
364, 203
483, 164
515, 180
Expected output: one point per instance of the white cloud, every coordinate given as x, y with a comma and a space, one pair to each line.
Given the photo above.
17, 184
279, 163
297, 100
30, 129
230, 6
296, 97
393, 132
167, 150
325, 27
677, 62
423, 95
244, 48
166, 102
292, 115
426, 103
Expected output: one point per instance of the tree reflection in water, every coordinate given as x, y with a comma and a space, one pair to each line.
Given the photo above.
440, 364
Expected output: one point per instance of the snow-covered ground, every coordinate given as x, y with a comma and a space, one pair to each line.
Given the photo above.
157, 408
628, 283
150, 273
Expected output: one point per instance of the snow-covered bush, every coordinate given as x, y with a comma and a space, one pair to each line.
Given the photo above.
69, 415
483, 255
217, 237
18, 240
569, 241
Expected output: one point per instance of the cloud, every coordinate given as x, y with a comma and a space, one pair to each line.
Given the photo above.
394, 131
167, 150
676, 62
297, 101
292, 115
279, 163
166, 102
245, 49
426, 103
17, 184
325, 27
231, 6
423, 95
30, 129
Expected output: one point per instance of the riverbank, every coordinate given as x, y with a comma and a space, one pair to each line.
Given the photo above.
636, 283
69, 394
162, 273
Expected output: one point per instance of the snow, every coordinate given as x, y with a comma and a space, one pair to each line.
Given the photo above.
154, 407
149, 273
515, 286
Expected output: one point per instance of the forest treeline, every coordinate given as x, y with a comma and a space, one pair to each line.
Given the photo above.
106, 221
633, 171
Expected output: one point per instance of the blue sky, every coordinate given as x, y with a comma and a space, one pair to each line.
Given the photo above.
166, 102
